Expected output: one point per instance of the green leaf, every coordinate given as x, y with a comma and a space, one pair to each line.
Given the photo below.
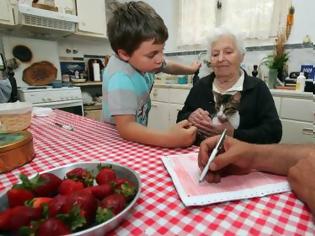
103, 214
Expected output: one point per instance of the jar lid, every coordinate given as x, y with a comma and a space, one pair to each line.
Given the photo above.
14, 140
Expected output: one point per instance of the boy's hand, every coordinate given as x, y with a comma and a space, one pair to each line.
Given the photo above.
234, 160
183, 134
195, 66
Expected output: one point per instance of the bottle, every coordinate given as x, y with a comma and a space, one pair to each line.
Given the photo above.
300, 82
255, 71
96, 71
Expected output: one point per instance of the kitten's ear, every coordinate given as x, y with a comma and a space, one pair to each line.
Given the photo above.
237, 96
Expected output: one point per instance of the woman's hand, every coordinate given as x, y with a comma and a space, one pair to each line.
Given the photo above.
201, 119
217, 129
235, 159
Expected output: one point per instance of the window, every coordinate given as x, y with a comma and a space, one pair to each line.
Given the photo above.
255, 19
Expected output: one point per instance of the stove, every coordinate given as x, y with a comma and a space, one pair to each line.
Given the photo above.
65, 98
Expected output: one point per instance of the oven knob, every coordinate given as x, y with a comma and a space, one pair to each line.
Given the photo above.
44, 99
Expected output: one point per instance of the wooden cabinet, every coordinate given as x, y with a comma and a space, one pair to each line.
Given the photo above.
93, 114
166, 102
6, 13
92, 18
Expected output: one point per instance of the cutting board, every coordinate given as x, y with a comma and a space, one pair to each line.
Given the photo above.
42, 50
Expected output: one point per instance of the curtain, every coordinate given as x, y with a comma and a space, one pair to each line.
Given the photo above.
196, 19
254, 19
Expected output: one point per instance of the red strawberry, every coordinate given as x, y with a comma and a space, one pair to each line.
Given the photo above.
4, 219
17, 196
101, 191
55, 205
38, 201
125, 187
80, 174
85, 201
52, 227
49, 185
105, 176
21, 216
115, 202
69, 186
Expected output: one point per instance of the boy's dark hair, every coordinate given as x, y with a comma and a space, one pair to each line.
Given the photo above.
133, 23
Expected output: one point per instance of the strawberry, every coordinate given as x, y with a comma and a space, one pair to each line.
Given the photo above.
38, 201
105, 176
101, 191
43, 185
69, 186
52, 227
49, 185
80, 174
20, 216
4, 219
86, 202
125, 187
55, 205
17, 196
115, 202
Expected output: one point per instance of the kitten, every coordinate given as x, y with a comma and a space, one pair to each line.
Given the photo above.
227, 107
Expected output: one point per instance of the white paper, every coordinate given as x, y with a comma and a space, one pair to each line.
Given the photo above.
185, 173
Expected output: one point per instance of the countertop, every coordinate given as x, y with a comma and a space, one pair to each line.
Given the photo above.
275, 92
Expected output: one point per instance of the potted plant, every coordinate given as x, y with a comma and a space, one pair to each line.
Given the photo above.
277, 61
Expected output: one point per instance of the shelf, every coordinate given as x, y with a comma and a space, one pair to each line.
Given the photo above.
97, 106
85, 84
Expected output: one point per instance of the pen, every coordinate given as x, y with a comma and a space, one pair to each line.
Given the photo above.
213, 155
67, 127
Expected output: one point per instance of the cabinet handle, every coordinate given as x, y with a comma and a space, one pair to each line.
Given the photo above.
154, 94
153, 105
307, 131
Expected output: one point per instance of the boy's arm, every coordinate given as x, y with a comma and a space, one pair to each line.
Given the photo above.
180, 69
181, 135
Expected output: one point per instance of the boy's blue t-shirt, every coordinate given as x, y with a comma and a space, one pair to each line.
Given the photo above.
125, 91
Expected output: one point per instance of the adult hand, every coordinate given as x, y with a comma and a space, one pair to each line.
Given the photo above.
235, 159
301, 178
200, 119
183, 134
218, 129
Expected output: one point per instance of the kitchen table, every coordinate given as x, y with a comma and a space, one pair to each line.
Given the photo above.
159, 209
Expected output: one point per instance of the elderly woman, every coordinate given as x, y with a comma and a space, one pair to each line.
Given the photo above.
230, 99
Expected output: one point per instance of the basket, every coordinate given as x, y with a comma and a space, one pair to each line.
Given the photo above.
15, 117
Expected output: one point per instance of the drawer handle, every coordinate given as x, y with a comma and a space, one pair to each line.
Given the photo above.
154, 94
307, 131
153, 105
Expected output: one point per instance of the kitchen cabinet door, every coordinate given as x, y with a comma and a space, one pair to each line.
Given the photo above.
159, 116
173, 111
296, 132
92, 18
6, 13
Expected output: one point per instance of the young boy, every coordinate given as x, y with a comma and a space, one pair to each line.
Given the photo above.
137, 35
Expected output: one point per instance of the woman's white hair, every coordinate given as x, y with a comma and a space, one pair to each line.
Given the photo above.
219, 32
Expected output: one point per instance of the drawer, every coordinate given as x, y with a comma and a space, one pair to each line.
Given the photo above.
178, 95
160, 94
297, 109
277, 101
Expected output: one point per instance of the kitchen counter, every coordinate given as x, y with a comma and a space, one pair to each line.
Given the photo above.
159, 209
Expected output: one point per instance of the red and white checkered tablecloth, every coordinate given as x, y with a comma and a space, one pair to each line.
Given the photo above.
159, 209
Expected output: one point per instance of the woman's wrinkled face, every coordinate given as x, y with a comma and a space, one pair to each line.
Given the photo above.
225, 57
148, 57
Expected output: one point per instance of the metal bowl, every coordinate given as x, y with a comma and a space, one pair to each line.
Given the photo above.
121, 171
